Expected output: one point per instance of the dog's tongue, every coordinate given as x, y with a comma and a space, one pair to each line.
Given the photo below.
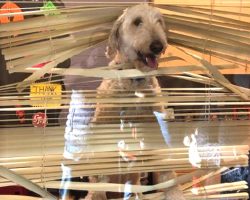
152, 62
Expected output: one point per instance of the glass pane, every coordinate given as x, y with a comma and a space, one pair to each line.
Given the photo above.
112, 100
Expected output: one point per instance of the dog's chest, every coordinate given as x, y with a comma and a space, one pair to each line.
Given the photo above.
130, 97
128, 85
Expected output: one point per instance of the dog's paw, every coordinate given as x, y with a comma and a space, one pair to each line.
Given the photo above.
96, 196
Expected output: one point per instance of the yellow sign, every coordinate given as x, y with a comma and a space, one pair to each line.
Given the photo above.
45, 94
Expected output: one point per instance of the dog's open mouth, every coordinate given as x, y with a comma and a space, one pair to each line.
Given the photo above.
149, 60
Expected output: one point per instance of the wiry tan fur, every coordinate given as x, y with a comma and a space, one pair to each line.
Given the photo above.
125, 41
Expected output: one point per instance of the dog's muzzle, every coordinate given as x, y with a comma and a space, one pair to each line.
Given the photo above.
150, 59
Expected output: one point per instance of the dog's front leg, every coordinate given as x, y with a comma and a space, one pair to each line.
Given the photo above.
128, 180
173, 193
95, 195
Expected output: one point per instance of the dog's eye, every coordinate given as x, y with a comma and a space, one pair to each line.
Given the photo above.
159, 21
137, 21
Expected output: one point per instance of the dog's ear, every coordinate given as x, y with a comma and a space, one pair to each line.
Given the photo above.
114, 38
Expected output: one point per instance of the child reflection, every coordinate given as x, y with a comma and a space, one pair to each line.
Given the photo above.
76, 128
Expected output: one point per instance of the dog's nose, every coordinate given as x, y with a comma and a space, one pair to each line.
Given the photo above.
156, 47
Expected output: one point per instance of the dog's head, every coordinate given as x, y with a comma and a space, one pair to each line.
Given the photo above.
139, 36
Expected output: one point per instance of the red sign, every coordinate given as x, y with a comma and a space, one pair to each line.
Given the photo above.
39, 119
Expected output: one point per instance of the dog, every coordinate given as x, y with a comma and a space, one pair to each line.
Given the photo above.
138, 37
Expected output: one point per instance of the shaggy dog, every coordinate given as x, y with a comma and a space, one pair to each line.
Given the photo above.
138, 37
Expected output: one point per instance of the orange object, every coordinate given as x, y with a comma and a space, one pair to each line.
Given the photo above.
10, 7
127, 156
